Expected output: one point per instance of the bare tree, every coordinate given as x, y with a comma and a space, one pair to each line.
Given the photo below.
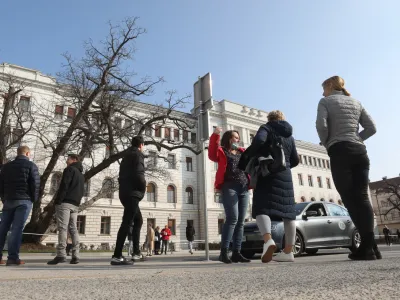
16, 120
99, 91
391, 189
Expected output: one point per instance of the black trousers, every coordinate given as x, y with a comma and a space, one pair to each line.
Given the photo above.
351, 177
388, 240
132, 214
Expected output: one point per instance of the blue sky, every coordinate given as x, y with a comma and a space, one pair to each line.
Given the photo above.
266, 54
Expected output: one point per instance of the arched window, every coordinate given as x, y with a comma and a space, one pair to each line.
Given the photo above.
189, 195
151, 192
303, 199
108, 188
171, 196
331, 200
55, 183
322, 199
86, 187
340, 202
312, 199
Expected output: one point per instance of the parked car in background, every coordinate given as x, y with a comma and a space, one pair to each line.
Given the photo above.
319, 225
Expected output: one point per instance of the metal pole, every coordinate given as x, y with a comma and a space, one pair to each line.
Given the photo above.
205, 200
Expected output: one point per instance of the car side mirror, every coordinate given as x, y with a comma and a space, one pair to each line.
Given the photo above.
310, 214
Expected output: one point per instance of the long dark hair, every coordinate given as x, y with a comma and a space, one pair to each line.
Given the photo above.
226, 139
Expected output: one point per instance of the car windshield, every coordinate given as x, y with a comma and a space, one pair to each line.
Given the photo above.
299, 207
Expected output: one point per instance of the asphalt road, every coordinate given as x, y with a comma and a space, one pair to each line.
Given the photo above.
327, 275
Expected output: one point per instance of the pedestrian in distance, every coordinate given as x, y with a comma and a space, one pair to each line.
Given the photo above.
234, 185
274, 194
150, 240
67, 201
157, 240
338, 119
19, 188
190, 233
132, 188
165, 235
388, 238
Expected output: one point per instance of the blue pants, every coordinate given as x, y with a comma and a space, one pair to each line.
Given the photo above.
14, 215
235, 199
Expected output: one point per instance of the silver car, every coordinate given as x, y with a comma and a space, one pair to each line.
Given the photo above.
319, 225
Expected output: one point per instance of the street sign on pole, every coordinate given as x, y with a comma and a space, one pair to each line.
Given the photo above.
202, 104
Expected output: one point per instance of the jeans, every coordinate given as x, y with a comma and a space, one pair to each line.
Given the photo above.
67, 215
235, 199
164, 246
351, 175
131, 211
15, 213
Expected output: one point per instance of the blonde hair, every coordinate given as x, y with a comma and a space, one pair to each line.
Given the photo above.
275, 115
336, 83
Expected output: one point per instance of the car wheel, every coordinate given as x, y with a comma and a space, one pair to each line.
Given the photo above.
298, 248
311, 251
248, 254
356, 241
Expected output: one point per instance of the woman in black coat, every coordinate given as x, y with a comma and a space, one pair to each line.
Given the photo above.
274, 195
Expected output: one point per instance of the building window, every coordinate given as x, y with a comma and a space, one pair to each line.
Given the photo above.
310, 181
171, 161
147, 131
319, 163
167, 133
185, 136
81, 224
86, 189
319, 179
305, 160
118, 123
193, 138
340, 202
105, 225
171, 197
152, 159
315, 161
323, 164
328, 164
310, 161
176, 134
55, 183
108, 188
220, 225
172, 226
107, 154
71, 113
24, 104
300, 176
331, 200
251, 138
312, 199
128, 123
152, 222
151, 192
189, 164
17, 135
157, 131
301, 159
328, 183
189, 195
303, 199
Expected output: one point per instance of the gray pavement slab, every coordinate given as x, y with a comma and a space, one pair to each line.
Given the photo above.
182, 276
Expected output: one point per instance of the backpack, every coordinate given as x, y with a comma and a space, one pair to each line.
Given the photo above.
274, 147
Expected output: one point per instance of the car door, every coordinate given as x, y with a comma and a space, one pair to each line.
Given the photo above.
348, 233
317, 230
340, 224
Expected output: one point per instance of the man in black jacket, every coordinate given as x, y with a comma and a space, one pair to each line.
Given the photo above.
67, 202
19, 188
132, 187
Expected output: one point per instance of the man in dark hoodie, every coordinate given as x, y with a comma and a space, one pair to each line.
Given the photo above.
132, 187
67, 202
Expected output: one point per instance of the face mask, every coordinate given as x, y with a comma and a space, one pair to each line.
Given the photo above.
234, 146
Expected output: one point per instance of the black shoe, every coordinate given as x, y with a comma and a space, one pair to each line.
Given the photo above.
364, 255
120, 261
365, 251
238, 257
377, 252
57, 260
223, 257
74, 261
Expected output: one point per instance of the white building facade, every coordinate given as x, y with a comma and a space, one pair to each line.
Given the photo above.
177, 199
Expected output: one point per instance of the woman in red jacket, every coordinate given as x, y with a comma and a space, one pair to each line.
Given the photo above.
233, 184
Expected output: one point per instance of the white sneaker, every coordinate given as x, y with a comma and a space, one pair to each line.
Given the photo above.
268, 251
284, 257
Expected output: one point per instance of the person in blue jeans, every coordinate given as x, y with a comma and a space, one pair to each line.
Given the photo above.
233, 184
19, 188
